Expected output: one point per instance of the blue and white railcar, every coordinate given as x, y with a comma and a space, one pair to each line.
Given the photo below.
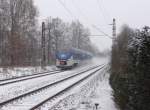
70, 58
64, 60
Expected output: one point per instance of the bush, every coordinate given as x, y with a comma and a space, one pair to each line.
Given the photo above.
130, 76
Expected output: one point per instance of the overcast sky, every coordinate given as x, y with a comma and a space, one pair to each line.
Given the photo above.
135, 13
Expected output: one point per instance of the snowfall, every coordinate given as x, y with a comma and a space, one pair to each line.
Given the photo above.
89, 95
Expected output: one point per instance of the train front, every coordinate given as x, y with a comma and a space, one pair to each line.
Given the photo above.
64, 60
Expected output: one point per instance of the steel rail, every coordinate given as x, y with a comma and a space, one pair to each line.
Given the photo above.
44, 87
66, 89
23, 78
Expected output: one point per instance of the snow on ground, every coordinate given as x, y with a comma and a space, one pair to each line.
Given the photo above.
95, 91
12, 90
103, 95
16, 89
25, 86
6, 73
34, 99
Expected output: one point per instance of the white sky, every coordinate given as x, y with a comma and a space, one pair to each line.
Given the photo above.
135, 13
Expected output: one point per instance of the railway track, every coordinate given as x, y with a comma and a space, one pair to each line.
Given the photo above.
17, 103
16, 89
28, 77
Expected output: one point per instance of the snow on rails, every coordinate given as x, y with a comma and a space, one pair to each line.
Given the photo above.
49, 90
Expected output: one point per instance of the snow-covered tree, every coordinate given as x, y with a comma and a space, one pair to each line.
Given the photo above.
130, 69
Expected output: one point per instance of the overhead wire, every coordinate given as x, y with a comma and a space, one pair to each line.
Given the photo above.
93, 26
101, 9
104, 15
86, 18
62, 3
81, 12
101, 31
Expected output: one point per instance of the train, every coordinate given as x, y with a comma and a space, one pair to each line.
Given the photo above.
68, 59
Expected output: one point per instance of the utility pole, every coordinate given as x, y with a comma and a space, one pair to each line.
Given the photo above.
1, 36
56, 35
78, 38
43, 59
113, 31
49, 41
114, 28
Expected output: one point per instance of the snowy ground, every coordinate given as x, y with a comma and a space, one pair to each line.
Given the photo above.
18, 88
6, 73
94, 86
95, 91
29, 101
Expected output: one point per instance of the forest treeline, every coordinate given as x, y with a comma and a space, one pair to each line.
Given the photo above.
20, 35
130, 68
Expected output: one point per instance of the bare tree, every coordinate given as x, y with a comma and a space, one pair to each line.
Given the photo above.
17, 24
22, 24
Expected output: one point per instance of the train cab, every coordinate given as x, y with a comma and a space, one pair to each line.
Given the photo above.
64, 60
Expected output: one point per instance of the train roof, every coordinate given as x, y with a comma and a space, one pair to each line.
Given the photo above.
63, 55
74, 51
66, 54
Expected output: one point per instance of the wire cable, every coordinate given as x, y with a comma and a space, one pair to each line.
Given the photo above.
101, 9
93, 26
66, 9
87, 19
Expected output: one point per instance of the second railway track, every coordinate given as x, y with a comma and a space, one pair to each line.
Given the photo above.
23, 78
24, 98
